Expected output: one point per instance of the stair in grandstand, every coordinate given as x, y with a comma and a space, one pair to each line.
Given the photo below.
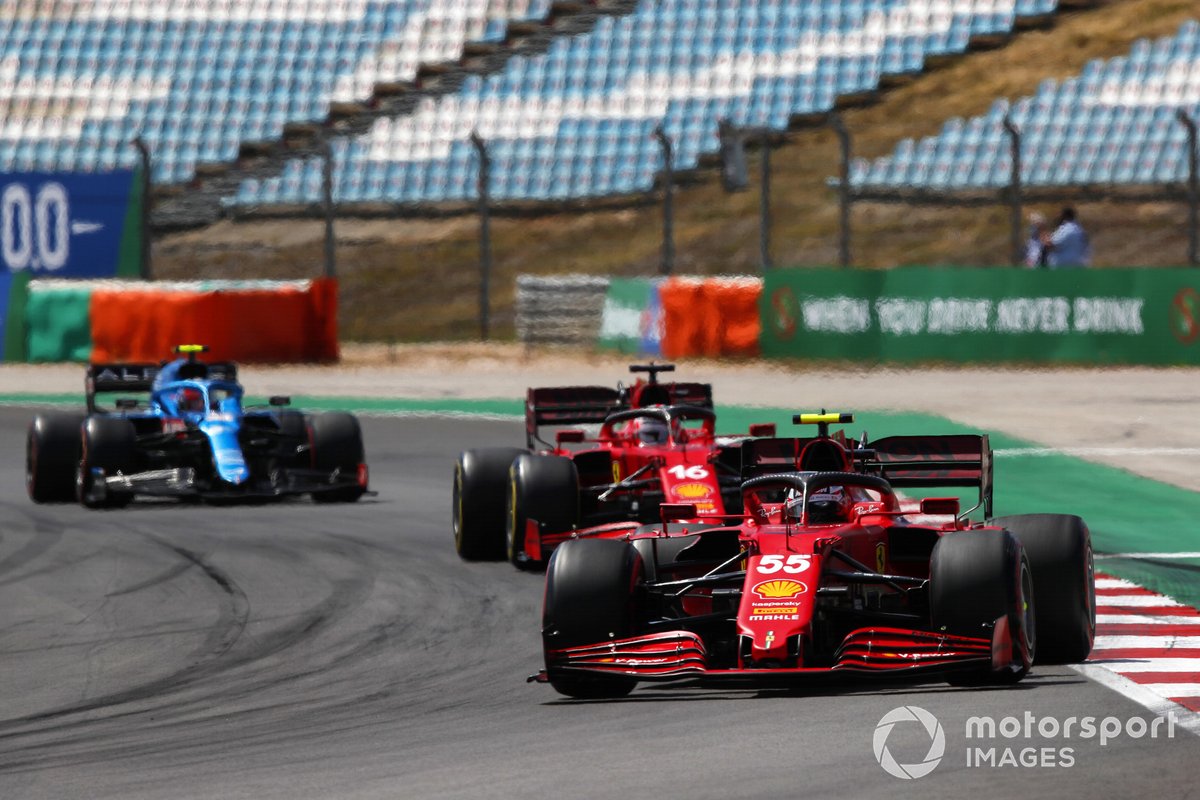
199, 202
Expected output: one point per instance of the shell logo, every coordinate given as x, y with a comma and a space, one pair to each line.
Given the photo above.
779, 588
692, 491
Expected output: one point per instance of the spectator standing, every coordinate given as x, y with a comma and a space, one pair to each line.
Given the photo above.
1068, 246
1035, 251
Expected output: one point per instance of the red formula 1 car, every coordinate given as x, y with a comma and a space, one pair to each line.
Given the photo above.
656, 443
828, 571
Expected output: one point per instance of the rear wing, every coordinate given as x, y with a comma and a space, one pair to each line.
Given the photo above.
139, 378
690, 394
930, 461
568, 405
903, 461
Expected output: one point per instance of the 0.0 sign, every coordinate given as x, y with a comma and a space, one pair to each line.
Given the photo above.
34, 233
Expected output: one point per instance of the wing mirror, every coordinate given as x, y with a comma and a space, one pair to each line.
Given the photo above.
763, 429
126, 403
568, 436
280, 400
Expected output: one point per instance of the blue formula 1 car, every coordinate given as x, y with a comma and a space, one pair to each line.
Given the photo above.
192, 438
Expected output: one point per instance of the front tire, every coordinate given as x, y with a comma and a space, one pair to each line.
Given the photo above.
977, 577
541, 488
53, 448
480, 502
337, 444
1059, 547
590, 585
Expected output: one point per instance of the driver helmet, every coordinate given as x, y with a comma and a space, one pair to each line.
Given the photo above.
191, 399
652, 431
826, 506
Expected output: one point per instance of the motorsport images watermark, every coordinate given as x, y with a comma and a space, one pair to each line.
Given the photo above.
989, 738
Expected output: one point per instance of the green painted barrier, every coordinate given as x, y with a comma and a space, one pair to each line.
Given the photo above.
13, 347
1126, 316
632, 316
57, 323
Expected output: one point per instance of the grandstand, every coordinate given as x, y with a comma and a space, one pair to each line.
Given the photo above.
1117, 123
577, 121
200, 81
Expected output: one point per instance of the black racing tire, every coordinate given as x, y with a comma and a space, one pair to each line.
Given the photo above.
293, 438
109, 444
542, 488
336, 441
976, 577
52, 450
590, 587
480, 495
1059, 547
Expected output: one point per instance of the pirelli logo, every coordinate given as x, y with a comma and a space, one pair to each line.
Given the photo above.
763, 612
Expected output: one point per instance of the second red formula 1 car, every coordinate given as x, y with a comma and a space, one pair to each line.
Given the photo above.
828, 571
656, 443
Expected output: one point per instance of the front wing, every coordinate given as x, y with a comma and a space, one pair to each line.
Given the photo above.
681, 654
183, 482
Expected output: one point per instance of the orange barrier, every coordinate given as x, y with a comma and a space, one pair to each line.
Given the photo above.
710, 317
295, 322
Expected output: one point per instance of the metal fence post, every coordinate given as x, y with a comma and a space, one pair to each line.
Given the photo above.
144, 256
327, 208
668, 253
844, 198
1192, 188
1014, 192
485, 233
764, 222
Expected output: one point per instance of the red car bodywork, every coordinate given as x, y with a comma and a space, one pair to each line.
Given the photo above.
768, 594
622, 478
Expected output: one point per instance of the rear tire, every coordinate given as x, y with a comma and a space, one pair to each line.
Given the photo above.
52, 452
480, 502
336, 444
109, 444
975, 578
542, 488
1059, 547
589, 600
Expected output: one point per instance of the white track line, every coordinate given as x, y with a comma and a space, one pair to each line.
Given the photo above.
1124, 642
1114, 583
1140, 619
1138, 600
1084, 452
1146, 556
1127, 665
1120, 673
1141, 694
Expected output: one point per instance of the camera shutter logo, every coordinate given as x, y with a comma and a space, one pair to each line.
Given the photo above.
937, 742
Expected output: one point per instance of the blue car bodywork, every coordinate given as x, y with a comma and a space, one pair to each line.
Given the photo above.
193, 436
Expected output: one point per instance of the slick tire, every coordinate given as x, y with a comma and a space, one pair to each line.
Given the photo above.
336, 441
541, 488
52, 451
1059, 547
480, 502
293, 438
590, 585
975, 578
109, 444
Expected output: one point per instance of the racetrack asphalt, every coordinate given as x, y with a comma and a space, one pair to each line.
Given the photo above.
297, 651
